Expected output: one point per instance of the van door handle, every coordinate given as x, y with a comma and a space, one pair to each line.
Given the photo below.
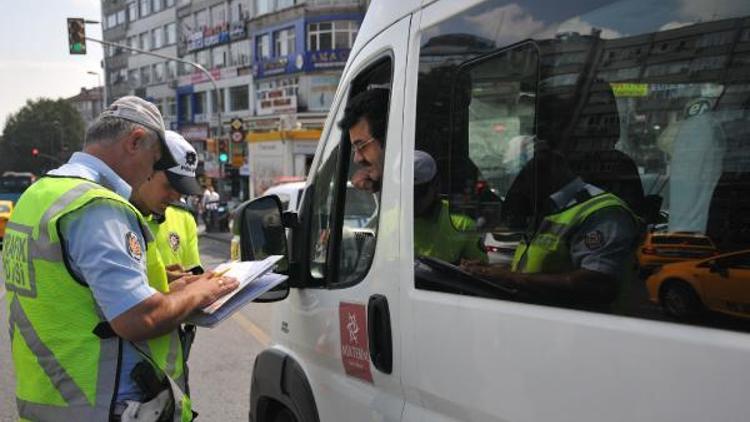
379, 333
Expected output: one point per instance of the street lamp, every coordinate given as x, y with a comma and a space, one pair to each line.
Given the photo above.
99, 86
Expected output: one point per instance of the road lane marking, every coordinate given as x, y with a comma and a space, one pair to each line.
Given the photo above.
263, 338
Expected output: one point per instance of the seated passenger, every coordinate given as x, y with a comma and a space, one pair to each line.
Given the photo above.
580, 242
437, 232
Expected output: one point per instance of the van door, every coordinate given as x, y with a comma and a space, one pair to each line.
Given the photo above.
345, 331
495, 85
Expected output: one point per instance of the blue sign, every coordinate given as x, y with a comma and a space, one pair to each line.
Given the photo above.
326, 59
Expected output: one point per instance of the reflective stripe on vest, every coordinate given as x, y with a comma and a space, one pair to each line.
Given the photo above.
548, 251
64, 371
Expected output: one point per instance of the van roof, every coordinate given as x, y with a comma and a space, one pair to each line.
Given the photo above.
381, 14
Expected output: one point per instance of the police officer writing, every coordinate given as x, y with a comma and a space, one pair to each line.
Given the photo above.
580, 241
158, 198
93, 328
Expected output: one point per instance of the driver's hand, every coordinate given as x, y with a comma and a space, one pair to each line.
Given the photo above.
488, 272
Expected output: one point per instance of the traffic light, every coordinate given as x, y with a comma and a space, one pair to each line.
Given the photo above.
76, 36
223, 151
34, 152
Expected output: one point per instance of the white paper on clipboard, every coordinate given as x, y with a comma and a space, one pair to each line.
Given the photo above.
245, 272
251, 291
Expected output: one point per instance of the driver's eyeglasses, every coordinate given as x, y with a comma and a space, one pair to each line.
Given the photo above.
359, 145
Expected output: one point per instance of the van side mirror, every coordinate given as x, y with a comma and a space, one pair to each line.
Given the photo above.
262, 234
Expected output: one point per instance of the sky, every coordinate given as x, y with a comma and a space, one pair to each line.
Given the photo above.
34, 59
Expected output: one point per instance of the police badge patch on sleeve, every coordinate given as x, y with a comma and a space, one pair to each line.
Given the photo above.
594, 240
133, 246
174, 241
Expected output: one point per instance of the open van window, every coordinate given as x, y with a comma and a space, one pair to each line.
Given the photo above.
346, 187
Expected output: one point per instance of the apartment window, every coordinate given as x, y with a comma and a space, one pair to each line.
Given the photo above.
201, 19
263, 46
219, 56
283, 4
203, 58
158, 5
145, 7
168, 3
145, 75
240, 53
132, 11
144, 40
218, 15
134, 78
264, 6
157, 37
171, 69
121, 17
111, 21
171, 109
200, 103
170, 31
239, 97
158, 72
122, 75
330, 35
284, 42
236, 10
133, 43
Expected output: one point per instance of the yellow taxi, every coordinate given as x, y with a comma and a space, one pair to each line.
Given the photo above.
6, 207
720, 283
661, 248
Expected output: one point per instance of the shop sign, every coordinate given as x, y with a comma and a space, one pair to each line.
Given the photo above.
237, 30
326, 59
195, 132
629, 89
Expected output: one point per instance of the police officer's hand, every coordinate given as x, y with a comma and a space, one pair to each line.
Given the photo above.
175, 272
489, 272
211, 287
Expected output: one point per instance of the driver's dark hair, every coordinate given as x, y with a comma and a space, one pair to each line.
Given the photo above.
371, 104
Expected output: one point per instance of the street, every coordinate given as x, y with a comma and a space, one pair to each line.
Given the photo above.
221, 360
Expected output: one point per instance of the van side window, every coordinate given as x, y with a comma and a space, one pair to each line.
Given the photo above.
599, 162
346, 187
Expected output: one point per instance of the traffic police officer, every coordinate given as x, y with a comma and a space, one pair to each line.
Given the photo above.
581, 243
438, 233
89, 328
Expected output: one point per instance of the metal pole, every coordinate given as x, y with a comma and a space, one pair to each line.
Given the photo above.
179, 60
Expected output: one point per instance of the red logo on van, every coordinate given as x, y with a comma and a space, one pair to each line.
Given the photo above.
355, 350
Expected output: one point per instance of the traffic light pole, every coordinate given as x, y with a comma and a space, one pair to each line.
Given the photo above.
179, 60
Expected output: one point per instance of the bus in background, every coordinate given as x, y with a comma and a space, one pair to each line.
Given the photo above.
14, 183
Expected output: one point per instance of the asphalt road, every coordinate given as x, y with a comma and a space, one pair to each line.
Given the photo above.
221, 361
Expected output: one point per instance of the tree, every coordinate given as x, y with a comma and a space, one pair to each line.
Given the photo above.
54, 127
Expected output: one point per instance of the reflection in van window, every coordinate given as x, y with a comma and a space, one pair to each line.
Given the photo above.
601, 156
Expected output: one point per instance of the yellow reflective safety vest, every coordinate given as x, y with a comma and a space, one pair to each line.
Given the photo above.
64, 370
177, 237
549, 249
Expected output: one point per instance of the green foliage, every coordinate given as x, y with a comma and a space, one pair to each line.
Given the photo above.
53, 126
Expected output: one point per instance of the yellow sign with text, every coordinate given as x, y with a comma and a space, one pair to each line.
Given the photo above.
629, 89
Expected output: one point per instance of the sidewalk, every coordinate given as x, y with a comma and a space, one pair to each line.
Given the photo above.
220, 236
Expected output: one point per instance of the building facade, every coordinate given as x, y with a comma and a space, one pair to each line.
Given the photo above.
274, 63
88, 102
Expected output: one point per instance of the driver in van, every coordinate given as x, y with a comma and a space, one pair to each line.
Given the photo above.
438, 233
365, 118
580, 242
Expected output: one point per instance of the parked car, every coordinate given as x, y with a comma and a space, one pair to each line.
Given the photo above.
660, 248
501, 247
720, 283
6, 208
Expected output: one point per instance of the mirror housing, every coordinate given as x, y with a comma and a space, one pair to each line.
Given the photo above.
259, 226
